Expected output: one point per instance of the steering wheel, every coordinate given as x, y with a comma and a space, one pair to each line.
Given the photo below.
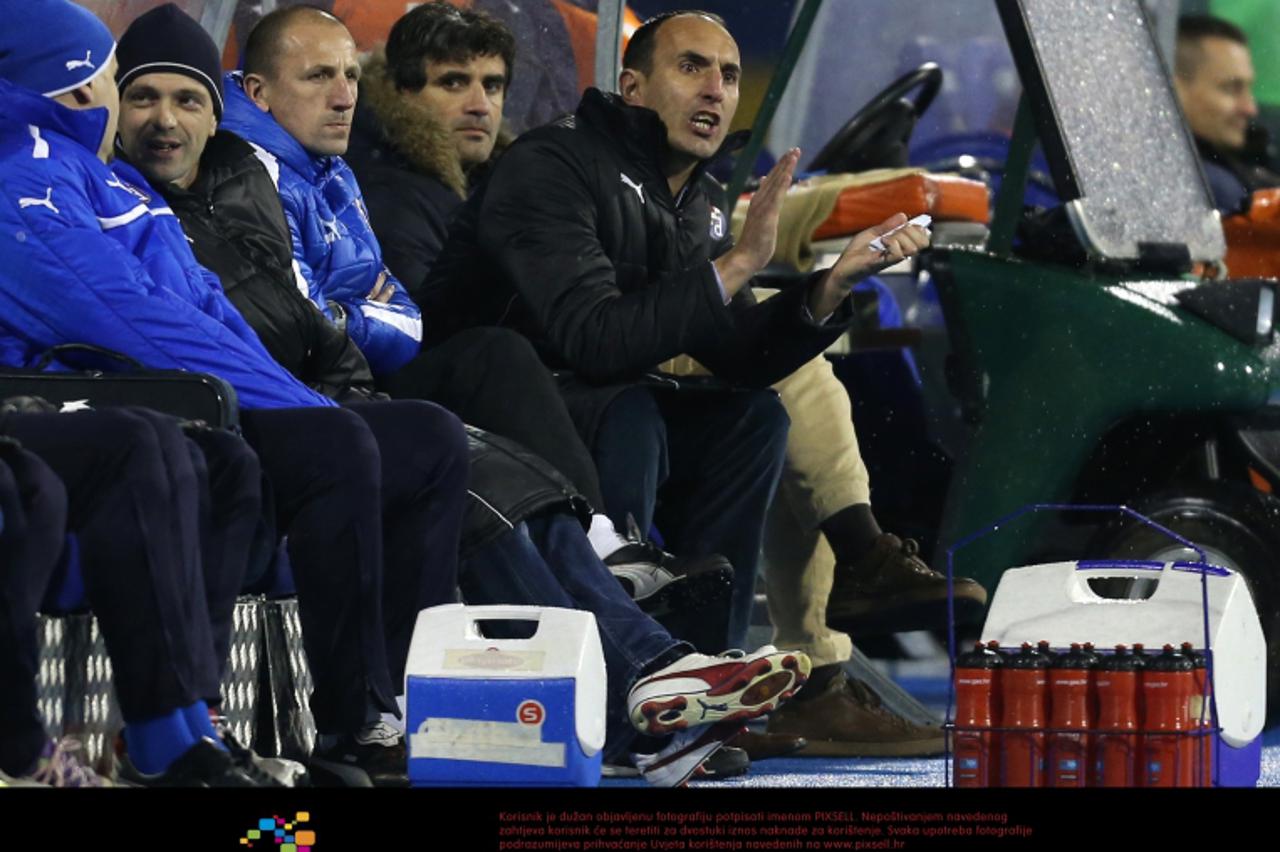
877, 136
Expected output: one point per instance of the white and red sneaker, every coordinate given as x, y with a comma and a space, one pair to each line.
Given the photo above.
731, 687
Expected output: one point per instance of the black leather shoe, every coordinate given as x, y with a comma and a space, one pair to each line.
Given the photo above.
372, 758
726, 762
762, 746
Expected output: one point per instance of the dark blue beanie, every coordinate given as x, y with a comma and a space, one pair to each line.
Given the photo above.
167, 40
51, 46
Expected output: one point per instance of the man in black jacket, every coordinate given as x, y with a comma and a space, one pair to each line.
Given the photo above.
599, 237
586, 248
425, 129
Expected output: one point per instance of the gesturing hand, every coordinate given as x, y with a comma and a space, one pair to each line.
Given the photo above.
860, 259
759, 234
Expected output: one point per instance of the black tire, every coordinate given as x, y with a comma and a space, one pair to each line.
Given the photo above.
1238, 527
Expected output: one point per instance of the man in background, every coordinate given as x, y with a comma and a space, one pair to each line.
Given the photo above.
1213, 77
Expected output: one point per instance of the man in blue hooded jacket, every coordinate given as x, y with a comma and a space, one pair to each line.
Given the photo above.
296, 105
93, 255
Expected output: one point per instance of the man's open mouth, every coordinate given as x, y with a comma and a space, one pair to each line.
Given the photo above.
163, 147
704, 123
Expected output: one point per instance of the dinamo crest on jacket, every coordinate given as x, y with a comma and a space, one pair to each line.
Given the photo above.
717, 224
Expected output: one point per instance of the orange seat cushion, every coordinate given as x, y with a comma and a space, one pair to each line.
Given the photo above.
943, 197
1253, 238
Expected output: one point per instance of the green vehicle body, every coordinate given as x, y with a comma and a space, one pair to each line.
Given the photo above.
1059, 358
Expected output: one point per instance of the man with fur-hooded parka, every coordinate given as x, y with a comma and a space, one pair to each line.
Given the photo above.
412, 179
410, 171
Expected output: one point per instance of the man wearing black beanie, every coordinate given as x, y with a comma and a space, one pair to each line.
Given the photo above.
172, 59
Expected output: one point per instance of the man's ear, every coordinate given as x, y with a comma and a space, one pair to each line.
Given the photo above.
83, 95
80, 97
630, 85
255, 87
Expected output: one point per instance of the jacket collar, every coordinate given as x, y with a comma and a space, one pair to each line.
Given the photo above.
226, 156
244, 118
403, 132
23, 106
637, 130
641, 134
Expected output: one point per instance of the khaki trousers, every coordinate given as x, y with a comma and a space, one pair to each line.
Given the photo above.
824, 473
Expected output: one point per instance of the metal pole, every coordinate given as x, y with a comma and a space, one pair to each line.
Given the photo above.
777, 87
608, 44
216, 20
1004, 222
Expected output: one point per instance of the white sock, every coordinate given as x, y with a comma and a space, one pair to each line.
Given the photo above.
604, 538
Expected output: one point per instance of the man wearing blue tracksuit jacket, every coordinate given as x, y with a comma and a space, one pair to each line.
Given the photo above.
91, 254
335, 250
108, 259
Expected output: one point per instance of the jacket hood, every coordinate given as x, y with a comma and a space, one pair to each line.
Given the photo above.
409, 128
23, 106
244, 118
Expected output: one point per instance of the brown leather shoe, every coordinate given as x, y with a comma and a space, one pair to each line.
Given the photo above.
762, 746
848, 720
891, 590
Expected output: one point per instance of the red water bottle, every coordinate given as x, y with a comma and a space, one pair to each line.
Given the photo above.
1117, 752
1070, 718
1201, 712
977, 711
1022, 698
1168, 750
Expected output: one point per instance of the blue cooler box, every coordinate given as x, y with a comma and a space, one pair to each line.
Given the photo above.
505, 712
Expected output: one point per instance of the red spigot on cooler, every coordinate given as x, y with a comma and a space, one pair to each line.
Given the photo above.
1117, 747
1070, 718
1201, 712
1168, 752
1023, 684
977, 712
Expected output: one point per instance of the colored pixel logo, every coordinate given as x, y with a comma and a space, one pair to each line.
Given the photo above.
274, 832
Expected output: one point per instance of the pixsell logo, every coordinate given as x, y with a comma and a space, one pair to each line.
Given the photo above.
281, 834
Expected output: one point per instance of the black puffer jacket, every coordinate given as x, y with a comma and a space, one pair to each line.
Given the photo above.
576, 241
233, 218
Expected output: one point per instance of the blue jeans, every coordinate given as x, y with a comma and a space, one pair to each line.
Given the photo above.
547, 561
715, 459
